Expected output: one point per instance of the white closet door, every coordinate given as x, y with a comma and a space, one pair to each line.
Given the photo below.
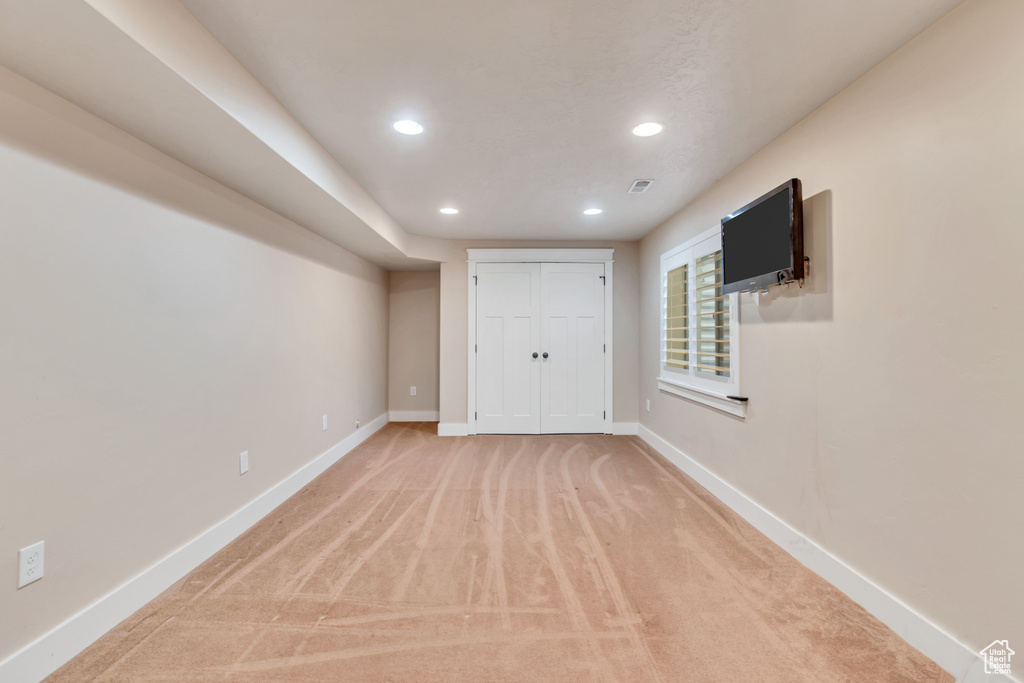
507, 336
572, 336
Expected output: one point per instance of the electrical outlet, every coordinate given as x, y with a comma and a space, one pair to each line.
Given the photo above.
412, 391
30, 564
325, 423
357, 424
243, 463
648, 405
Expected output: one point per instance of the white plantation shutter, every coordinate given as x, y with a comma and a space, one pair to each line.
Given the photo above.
711, 310
676, 330
698, 345
676, 269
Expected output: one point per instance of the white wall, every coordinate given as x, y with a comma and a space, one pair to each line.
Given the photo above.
153, 325
885, 398
413, 343
455, 323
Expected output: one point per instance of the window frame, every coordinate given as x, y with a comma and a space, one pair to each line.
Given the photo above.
689, 383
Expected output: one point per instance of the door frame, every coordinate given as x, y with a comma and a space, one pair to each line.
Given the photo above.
476, 256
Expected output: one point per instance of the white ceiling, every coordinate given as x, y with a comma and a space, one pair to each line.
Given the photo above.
527, 105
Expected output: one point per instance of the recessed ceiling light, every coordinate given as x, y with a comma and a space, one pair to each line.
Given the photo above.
449, 210
647, 129
592, 212
408, 127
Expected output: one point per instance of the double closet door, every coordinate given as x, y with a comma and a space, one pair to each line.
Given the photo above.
540, 348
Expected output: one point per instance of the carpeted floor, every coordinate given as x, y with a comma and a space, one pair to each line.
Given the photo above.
501, 558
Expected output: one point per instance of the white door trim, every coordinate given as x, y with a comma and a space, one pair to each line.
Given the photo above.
476, 256
540, 255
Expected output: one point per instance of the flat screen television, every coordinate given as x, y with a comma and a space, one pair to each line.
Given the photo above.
763, 243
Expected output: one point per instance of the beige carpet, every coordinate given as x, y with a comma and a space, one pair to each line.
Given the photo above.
540, 558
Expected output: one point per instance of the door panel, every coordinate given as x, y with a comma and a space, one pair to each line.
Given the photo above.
491, 337
572, 333
508, 333
522, 368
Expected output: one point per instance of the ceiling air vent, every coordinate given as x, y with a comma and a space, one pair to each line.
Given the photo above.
639, 186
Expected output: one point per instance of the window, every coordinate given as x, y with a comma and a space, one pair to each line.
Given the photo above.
699, 345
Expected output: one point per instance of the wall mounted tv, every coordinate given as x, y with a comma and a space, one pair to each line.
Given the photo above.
763, 243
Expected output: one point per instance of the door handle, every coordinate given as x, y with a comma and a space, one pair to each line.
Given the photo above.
534, 354
545, 354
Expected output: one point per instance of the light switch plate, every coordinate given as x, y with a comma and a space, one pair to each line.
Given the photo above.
243, 462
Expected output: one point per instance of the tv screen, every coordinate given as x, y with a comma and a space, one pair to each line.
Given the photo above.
762, 243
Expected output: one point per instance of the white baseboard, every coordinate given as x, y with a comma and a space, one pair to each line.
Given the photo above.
52, 650
625, 428
414, 416
452, 429
929, 639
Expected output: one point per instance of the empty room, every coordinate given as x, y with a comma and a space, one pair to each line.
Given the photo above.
536, 341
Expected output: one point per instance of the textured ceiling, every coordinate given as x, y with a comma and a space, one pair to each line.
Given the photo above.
528, 105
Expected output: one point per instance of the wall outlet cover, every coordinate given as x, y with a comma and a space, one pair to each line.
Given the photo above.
30, 564
325, 423
243, 462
